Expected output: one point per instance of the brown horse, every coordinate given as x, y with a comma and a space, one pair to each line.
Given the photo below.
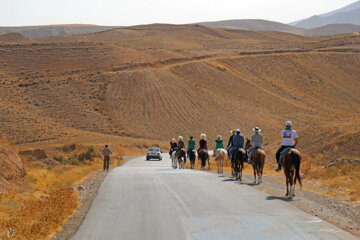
291, 160
257, 161
192, 157
181, 158
238, 158
204, 155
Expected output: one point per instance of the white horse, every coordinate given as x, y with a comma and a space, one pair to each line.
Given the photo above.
220, 157
174, 159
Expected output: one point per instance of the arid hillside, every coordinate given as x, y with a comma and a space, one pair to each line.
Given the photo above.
54, 30
161, 81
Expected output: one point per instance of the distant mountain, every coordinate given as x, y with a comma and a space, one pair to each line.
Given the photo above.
55, 30
332, 29
254, 25
347, 15
15, 37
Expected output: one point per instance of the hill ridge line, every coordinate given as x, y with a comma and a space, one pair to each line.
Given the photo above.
178, 61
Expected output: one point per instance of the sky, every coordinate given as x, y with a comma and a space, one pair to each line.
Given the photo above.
135, 12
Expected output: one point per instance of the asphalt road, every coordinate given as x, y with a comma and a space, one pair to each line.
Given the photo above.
150, 200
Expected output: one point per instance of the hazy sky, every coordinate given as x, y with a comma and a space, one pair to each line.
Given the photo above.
133, 12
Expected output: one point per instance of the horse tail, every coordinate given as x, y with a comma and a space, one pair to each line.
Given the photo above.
297, 161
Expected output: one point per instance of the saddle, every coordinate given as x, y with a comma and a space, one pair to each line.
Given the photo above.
283, 152
203, 150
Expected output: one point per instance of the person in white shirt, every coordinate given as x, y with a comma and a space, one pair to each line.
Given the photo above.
289, 140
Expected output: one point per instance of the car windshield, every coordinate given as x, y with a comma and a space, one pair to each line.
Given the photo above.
154, 149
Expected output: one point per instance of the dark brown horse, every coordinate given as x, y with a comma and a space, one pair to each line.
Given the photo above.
192, 157
181, 158
257, 161
204, 155
291, 160
238, 158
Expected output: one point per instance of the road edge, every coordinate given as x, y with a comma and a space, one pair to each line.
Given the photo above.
86, 190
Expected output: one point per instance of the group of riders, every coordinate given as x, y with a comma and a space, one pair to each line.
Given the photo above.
236, 141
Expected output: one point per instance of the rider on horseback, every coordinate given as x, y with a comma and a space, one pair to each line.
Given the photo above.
219, 143
202, 143
174, 146
289, 140
238, 141
257, 141
181, 144
191, 145
230, 143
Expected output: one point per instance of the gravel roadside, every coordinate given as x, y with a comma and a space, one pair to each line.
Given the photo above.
87, 191
344, 214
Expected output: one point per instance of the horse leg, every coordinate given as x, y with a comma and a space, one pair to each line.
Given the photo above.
292, 184
287, 186
254, 173
258, 173
221, 164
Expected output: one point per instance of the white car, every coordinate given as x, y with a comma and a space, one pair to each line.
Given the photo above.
153, 153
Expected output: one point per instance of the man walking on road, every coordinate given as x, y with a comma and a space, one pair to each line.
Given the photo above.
106, 153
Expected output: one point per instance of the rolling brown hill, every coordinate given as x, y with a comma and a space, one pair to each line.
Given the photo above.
254, 25
161, 81
264, 25
333, 29
15, 37
55, 30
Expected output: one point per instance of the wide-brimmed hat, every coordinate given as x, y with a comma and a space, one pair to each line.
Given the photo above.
173, 140
218, 137
203, 136
233, 131
256, 129
180, 138
238, 130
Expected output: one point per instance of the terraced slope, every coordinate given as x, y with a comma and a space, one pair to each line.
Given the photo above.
161, 81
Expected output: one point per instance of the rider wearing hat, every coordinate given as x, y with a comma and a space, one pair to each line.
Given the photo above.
238, 141
174, 146
181, 143
289, 139
191, 145
257, 141
219, 143
202, 143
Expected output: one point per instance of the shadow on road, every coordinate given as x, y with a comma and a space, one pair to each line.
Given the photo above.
229, 180
285, 199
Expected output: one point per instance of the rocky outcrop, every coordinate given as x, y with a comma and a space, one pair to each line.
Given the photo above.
12, 170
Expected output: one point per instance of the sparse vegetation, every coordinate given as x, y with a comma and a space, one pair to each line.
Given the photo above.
106, 89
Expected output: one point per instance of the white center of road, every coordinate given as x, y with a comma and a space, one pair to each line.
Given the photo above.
150, 200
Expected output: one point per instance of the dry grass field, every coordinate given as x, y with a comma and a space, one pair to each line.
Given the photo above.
140, 86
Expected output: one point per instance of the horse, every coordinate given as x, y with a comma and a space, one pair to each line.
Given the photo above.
204, 155
174, 160
291, 160
192, 157
238, 158
220, 156
257, 161
181, 158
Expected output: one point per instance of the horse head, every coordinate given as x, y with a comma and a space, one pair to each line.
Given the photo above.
247, 144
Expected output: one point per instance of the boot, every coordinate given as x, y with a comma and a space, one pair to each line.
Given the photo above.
279, 168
